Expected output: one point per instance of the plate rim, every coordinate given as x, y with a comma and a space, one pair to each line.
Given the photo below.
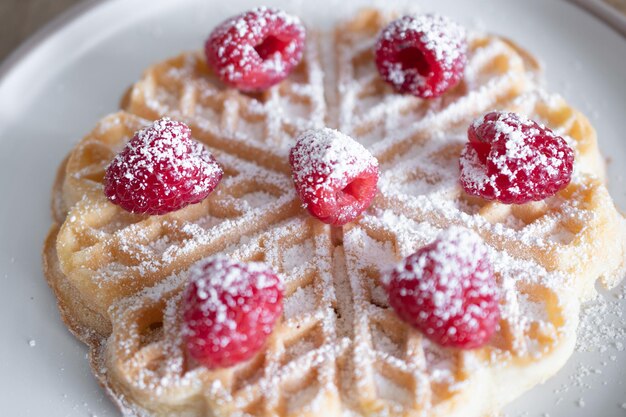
78, 10
604, 12
37, 41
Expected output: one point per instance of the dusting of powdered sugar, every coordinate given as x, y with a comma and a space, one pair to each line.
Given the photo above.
326, 160
518, 307
600, 350
265, 123
437, 35
603, 323
453, 245
520, 149
602, 332
454, 263
364, 251
532, 327
234, 43
220, 285
151, 254
300, 302
160, 161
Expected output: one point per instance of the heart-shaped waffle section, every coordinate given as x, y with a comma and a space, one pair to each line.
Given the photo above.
109, 253
257, 126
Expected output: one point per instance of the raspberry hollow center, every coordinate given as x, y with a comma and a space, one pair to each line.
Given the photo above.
482, 150
334, 175
269, 46
354, 189
413, 58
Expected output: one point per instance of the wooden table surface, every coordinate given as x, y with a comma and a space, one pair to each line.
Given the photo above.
618, 4
20, 18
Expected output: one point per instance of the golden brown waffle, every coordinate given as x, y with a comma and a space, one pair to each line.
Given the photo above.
419, 142
259, 126
338, 346
108, 253
338, 349
390, 123
396, 371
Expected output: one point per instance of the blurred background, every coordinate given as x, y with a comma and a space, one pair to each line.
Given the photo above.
619, 4
21, 18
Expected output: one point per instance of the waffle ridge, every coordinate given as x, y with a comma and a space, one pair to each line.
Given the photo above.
338, 348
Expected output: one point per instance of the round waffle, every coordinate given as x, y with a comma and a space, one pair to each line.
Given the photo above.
339, 350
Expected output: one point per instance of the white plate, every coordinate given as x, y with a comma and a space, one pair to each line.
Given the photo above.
55, 89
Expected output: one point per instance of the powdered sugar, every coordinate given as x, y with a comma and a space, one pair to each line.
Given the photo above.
257, 199
335, 176
447, 290
236, 122
422, 55
438, 33
522, 313
297, 256
324, 159
603, 324
161, 169
514, 160
147, 255
337, 312
257, 49
300, 302
229, 309
455, 244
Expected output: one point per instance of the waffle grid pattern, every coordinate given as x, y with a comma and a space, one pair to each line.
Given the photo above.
338, 347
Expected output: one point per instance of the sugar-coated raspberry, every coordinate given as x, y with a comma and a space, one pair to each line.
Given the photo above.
334, 175
161, 169
229, 311
422, 55
514, 160
447, 290
257, 49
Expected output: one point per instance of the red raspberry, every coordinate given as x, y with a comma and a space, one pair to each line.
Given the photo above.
422, 55
229, 310
447, 290
161, 169
514, 160
257, 49
334, 175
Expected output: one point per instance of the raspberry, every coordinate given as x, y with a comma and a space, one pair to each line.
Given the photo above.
257, 49
334, 175
160, 170
422, 55
514, 160
229, 310
447, 290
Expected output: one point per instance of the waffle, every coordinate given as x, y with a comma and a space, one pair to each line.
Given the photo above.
570, 232
108, 253
185, 89
338, 350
